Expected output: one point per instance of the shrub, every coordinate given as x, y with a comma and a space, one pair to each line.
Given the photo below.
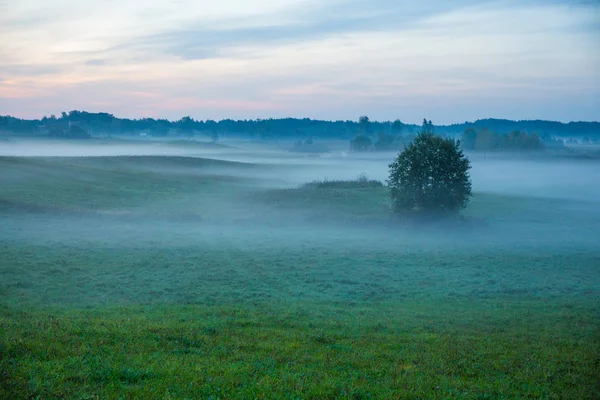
362, 181
430, 175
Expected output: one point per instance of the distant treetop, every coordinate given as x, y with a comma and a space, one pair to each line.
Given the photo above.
284, 128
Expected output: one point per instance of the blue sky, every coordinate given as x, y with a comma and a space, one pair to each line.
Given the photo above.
449, 61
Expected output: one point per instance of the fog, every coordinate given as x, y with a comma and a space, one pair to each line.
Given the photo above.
106, 204
520, 176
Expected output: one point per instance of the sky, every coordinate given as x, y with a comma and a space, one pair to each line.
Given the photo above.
448, 61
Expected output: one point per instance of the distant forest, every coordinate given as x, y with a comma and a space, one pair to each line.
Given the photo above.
81, 124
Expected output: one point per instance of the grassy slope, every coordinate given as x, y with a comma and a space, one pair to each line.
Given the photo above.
177, 187
101, 307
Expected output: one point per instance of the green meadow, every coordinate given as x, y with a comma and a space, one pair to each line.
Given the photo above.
203, 276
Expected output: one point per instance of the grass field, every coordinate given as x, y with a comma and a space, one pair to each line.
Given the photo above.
193, 277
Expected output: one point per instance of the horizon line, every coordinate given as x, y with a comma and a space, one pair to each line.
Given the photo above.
302, 118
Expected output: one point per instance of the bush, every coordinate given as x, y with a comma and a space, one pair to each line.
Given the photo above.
362, 181
430, 175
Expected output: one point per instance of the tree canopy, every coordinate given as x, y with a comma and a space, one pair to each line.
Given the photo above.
284, 128
431, 175
485, 140
361, 143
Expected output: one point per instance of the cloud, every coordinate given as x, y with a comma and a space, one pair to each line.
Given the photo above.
306, 23
309, 21
32, 69
237, 58
95, 62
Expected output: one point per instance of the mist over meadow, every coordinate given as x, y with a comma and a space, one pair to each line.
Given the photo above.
256, 197
268, 215
555, 177
191, 250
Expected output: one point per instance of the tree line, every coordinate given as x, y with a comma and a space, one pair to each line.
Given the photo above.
108, 124
388, 135
485, 140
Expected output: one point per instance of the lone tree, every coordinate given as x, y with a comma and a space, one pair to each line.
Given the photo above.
431, 175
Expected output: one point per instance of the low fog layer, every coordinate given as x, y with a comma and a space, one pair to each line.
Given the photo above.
174, 221
240, 187
548, 177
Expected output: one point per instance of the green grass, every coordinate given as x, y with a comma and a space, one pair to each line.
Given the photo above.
398, 350
127, 185
169, 277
